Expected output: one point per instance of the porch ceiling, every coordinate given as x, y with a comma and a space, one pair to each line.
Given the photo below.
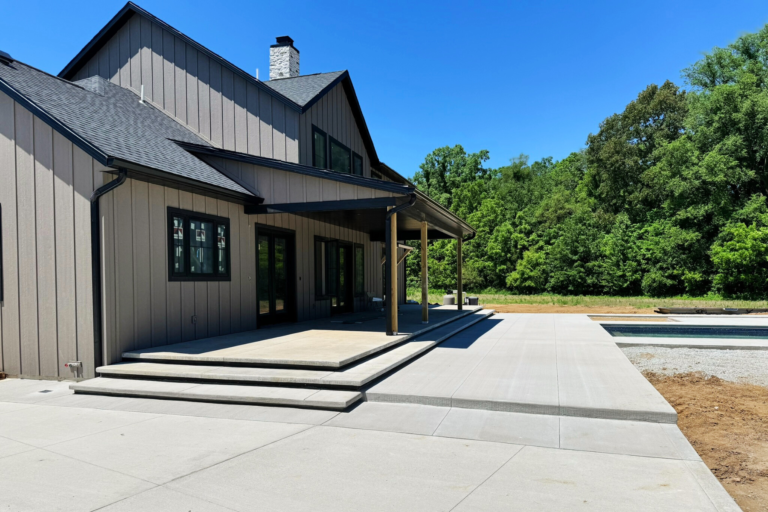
369, 216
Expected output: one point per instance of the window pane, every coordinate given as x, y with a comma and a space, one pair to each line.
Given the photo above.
319, 158
319, 268
262, 278
343, 252
281, 274
331, 283
357, 164
340, 158
201, 256
223, 248
178, 245
359, 271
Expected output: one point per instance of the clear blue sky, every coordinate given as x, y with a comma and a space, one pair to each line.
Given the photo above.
510, 76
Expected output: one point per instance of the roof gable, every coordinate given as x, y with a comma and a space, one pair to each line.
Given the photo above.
307, 90
121, 18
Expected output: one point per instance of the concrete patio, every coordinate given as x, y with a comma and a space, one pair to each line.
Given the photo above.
326, 343
117, 453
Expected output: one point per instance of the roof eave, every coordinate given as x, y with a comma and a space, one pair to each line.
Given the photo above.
90, 149
386, 186
151, 175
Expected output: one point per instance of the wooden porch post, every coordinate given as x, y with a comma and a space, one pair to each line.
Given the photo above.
459, 264
424, 276
392, 262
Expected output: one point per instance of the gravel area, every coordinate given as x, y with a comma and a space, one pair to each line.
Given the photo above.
748, 366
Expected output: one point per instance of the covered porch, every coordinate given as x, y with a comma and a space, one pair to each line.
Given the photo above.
392, 220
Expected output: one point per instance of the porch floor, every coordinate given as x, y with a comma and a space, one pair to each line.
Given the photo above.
326, 343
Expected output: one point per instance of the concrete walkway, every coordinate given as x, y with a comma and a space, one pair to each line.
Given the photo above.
544, 364
65, 452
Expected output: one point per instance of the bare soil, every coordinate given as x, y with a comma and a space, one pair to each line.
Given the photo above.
552, 308
727, 424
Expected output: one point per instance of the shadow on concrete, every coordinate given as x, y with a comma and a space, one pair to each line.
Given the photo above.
466, 338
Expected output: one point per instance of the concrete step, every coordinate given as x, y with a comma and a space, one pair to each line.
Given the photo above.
354, 376
221, 393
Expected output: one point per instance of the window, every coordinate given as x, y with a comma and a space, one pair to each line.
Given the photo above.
341, 157
320, 268
357, 164
319, 148
338, 266
359, 270
198, 246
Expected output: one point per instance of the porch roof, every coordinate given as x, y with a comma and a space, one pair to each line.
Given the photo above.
367, 215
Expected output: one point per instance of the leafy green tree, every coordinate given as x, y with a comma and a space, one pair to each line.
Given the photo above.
668, 197
741, 261
625, 146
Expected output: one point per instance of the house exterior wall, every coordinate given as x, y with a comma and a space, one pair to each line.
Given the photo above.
46, 317
199, 92
332, 114
143, 309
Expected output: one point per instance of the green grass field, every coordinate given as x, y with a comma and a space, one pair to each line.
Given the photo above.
501, 298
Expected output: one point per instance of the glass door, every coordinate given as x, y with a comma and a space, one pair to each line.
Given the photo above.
342, 288
274, 277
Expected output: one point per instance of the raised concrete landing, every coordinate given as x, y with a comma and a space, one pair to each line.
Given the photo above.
356, 375
564, 365
328, 343
249, 383
229, 393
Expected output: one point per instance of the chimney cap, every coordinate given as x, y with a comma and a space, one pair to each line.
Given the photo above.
284, 41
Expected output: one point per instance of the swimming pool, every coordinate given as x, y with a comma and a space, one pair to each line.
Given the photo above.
686, 331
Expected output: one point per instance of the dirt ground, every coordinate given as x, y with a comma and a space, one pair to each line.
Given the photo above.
727, 424
552, 308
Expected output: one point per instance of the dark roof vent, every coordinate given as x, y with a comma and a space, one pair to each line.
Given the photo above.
5, 58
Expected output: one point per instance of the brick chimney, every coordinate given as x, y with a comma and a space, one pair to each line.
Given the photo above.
283, 59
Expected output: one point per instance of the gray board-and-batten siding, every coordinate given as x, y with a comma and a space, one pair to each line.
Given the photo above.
215, 102
46, 318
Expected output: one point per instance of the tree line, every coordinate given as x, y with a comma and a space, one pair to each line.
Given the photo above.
667, 198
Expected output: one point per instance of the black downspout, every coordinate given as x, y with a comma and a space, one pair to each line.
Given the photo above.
98, 356
392, 301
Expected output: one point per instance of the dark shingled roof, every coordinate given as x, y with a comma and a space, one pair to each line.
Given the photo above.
111, 120
303, 89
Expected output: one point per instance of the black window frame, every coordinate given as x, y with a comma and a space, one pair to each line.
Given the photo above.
187, 216
331, 141
357, 158
325, 165
355, 277
326, 261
